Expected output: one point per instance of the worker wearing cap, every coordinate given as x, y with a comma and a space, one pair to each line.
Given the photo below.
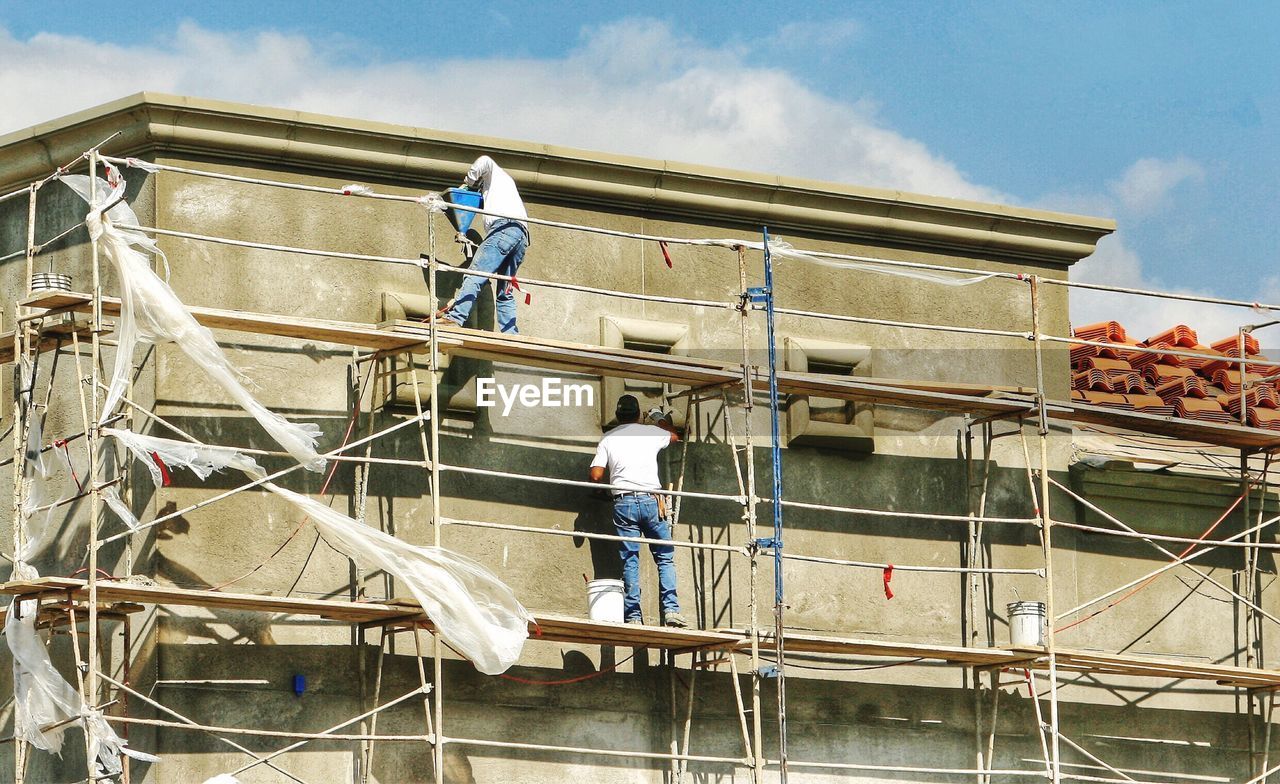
506, 239
630, 453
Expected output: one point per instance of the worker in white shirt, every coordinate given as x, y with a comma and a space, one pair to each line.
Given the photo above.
506, 239
630, 454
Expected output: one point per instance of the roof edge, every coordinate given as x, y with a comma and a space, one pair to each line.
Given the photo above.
161, 124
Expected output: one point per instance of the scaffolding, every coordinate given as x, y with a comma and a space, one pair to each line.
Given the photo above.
54, 322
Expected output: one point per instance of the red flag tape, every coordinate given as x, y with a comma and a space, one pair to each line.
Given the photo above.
888, 575
515, 284
166, 480
666, 254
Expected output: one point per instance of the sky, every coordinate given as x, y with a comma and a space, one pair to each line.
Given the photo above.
1164, 116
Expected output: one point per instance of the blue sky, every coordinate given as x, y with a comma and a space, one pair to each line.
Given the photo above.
1165, 116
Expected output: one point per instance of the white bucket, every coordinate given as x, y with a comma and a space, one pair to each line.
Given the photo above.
1026, 624
604, 600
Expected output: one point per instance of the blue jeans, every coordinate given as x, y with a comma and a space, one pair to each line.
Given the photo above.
637, 515
500, 253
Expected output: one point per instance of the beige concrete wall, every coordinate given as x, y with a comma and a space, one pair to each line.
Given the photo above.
903, 715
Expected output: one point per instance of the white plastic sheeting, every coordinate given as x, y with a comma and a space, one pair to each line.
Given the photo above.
786, 250
475, 613
42, 490
122, 510
151, 312
47, 706
202, 459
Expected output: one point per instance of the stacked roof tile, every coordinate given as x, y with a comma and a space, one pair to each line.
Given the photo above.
1200, 388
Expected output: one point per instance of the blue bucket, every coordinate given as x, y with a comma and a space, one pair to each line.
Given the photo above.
460, 219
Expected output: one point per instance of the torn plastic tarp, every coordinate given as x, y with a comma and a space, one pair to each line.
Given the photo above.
42, 490
151, 312
46, 704
203, 459
122, 510
474, 612
785, 250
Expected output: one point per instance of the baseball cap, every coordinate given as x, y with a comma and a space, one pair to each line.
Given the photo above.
628, 407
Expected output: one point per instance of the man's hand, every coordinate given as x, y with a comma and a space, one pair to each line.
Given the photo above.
663, 420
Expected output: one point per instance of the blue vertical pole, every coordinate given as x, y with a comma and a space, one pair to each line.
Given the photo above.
776, 452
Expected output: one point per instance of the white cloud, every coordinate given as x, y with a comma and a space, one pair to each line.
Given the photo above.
634, 87
1144, 189
819, 37
1146, 185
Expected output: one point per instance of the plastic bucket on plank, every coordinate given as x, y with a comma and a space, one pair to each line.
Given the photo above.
461, 219
604, 600
50, 281
1026, 624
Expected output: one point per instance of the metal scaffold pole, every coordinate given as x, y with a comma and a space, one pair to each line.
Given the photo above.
749, 513
1046, 534
437, 692
90, 696
779, 604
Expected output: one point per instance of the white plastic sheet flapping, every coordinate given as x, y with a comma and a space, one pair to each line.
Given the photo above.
785, 250
44, 698
474, 612
122, 510
151, 312
38, 526
202, 459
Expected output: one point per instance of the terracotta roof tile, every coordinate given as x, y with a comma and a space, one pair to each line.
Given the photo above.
1105, 331
1108, 399
1107, 365
1150, 404
1203, 364
1266, 418
1177, 335
1229, 380
1207, 410
1256, 397
1091, 379
1183, 386
1142, 359
1160, 373
1230, 345
1080, 352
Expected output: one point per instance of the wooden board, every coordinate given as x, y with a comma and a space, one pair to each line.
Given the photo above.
546, 626
1034, 658
575, 357
679, 370
801, 642
563, 628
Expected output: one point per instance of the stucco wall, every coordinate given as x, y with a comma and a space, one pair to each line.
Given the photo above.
919, 716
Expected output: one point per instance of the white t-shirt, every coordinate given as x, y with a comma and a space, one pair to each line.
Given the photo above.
630, 452
498, 189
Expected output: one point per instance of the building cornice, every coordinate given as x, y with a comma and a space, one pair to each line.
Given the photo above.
151, 124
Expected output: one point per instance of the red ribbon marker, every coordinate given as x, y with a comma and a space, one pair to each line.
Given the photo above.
666, 254
61, 443
515, 284
166, 480
888, 575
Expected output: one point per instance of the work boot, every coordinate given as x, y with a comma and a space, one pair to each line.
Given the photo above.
441, 318
636, 621
674, 620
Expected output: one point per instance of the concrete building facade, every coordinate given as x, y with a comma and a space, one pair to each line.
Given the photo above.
276, 671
